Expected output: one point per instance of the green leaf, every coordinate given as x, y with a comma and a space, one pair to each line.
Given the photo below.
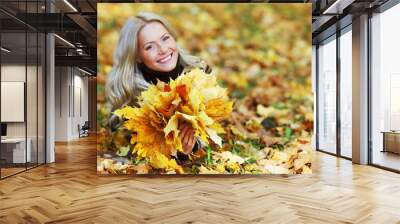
222, 83
256, 143
288, 134
278, 146
300, 118
195, 170
237, 94
236, 149
251, 85
123, 151
250, 160
140, 160
209, 159
279, 106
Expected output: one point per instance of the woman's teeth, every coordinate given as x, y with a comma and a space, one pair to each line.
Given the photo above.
167, 58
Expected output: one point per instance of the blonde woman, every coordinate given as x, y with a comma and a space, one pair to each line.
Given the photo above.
147, 51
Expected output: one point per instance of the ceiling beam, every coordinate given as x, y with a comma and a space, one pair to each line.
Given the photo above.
337, 7
86, 27
78, 61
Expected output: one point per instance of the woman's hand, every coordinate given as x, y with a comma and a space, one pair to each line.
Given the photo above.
186, 135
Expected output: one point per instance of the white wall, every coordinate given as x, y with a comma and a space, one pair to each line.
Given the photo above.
61, 103
80, 110
14, 73
71, 94
17, 73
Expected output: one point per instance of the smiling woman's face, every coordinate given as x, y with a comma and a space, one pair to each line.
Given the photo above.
157, 48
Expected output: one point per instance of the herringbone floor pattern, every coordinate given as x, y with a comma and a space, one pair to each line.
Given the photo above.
69, 191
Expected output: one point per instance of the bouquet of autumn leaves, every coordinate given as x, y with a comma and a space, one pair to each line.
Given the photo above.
195, 98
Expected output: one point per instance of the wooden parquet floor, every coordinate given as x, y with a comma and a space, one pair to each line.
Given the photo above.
69, 191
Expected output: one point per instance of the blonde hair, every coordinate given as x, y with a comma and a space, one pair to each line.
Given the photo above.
126, 81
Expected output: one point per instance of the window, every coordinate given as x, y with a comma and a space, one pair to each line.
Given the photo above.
327, 95
22, 77
346, 92
385, 88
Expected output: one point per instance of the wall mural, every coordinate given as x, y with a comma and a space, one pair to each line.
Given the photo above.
204, 88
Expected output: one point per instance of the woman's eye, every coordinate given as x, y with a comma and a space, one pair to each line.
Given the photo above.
165, 38
148, 48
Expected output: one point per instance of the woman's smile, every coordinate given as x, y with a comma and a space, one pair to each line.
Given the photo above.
165, 59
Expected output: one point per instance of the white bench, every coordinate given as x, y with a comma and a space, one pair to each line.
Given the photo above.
19, 155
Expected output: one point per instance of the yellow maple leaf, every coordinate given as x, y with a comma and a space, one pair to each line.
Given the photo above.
194, 98
160, 161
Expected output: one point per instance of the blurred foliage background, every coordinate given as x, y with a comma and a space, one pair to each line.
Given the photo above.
243, 43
